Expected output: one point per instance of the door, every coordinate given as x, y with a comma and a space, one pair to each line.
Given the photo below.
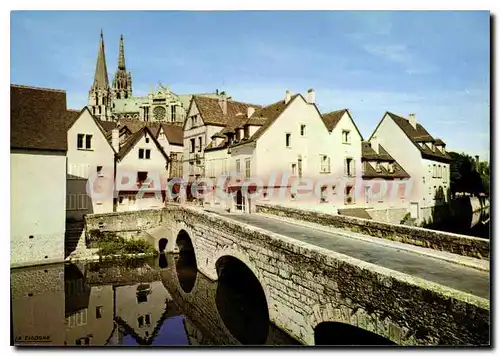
239, 200
414, 210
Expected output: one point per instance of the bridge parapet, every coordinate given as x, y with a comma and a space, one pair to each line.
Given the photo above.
437, 240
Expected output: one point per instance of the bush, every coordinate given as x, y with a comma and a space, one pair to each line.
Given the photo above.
110, 244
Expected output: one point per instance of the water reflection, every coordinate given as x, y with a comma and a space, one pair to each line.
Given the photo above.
241, 302
133, 303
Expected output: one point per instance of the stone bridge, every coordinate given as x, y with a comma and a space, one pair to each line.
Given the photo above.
312, 276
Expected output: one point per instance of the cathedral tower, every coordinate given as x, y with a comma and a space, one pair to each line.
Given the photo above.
122, 83
99, 94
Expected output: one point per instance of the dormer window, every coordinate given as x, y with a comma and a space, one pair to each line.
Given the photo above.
391, 167
378, 167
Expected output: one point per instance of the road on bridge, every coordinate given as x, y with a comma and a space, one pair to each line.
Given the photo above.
462, 278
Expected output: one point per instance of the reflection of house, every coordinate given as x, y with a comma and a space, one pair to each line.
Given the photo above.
90, 167
89, 310
422, 156
141, 307
37, 296
38, 174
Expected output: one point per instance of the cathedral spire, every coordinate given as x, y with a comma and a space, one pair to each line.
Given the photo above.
121, 57
101, 72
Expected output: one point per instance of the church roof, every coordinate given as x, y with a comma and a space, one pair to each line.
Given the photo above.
101, 80
38, 118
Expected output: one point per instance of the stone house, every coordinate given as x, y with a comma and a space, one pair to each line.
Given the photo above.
38, 146
205, 117
422, 156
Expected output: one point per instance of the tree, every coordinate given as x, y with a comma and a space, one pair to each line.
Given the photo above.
466, 177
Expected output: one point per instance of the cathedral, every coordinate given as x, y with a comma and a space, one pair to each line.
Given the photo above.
117, 102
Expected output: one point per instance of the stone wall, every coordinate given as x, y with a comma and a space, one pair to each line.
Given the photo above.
389, 215
438, 240
306, 285
126, 224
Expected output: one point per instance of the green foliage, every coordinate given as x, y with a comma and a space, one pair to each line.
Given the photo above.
109, 243
466, 176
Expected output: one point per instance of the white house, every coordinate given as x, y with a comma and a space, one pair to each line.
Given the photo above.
38, 174
424, 158
274, 147
142, 171
341, 158
170, 137
91, 171
205, 117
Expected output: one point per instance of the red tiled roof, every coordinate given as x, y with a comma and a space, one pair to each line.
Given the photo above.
174, 133
331, 119
38, 118
212, 114
417, 135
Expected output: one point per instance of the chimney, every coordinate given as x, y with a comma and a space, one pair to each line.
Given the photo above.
223, 103
413, 121
288, 95
250, 111
311, 96
115, 139
375, 144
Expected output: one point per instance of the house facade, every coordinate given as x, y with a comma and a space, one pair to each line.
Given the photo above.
142, 171
90, 175
205, 117
38, 174
423, 157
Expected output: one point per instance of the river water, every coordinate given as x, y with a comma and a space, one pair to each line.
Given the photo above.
162, 301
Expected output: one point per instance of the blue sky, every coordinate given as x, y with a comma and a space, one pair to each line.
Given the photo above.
435, 64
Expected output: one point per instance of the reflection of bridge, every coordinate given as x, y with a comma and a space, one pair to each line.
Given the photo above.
312, 276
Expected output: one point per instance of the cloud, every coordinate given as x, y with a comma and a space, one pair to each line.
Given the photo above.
400, 54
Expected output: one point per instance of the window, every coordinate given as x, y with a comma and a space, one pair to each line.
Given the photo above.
71, 202
288, 138
247, 168
77, 319
120, 199
349, 167
98, 312
378, 167
325, 164
147, 319
434, 171
172, 112
80, 140
391, 167
142, 176
192, 145
294, 168
147, 139
88, 142
346, 136
323, 198
82, 201
237, 166
140, 321
199, 144
300, 167
144, 153
302, 130
99, 171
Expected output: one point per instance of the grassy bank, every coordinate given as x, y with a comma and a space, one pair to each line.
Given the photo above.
109, 243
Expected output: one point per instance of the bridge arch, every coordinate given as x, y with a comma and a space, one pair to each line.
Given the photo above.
240, 300
329, 318
185, 261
